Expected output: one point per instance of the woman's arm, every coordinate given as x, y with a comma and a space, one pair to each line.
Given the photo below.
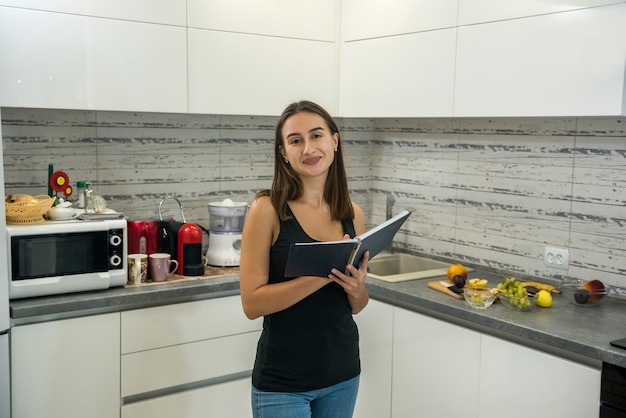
259, 298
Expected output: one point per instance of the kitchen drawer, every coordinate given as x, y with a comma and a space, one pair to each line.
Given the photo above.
163, 326
197, 362
224, 400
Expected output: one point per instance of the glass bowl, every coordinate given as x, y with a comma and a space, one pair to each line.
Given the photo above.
581, 294
514, 303
479, 298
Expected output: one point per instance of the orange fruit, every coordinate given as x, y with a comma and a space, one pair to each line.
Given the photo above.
456, 270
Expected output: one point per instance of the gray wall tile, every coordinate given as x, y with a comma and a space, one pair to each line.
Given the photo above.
490, 191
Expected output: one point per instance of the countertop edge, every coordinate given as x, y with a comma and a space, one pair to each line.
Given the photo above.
413, 297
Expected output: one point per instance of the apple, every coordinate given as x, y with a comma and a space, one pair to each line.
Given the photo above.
479, 283
595, 288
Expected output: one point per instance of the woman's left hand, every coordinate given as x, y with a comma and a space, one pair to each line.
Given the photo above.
353, 283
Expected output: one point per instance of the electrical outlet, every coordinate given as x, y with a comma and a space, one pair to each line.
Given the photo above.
557, 258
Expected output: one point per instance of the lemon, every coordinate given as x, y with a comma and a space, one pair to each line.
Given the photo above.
544, 299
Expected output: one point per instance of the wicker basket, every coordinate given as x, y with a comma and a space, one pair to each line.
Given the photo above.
25, 213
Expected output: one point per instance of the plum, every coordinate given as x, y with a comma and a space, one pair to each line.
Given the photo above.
532, 290
459, 281
581, 296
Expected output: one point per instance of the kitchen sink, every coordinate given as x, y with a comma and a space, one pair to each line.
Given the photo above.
401, 267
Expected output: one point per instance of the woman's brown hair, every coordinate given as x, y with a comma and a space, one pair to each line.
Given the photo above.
287, 186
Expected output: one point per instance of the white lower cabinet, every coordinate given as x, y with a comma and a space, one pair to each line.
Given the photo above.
447, 371
67, 368
514, 378
223, 400
375, 324
436, 371
188, 360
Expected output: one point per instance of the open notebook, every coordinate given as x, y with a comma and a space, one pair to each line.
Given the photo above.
318, 258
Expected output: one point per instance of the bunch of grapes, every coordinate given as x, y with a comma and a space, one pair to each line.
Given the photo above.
515, 292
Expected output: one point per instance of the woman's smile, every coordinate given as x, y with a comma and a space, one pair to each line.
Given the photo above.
312, 160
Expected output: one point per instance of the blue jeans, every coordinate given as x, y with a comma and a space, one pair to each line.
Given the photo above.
335, 401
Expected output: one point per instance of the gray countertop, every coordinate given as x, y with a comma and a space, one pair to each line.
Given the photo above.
578, 333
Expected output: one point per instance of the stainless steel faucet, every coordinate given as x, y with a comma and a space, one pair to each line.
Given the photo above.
390, 201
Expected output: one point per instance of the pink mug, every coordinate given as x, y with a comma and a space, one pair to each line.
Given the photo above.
161, 266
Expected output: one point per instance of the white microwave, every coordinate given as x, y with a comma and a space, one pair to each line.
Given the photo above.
63, 257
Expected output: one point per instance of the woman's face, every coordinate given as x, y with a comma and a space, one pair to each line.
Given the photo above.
308, 144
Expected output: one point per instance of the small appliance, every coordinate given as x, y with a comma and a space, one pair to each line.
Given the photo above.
226, 221
62, 257
190, 250
143, 237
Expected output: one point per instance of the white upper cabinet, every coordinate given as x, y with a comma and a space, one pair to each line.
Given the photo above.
304, 19
479, 11
563, 64
81, 62
235, 73
250, 57
397, 58
363, 19
399, 76
171, 12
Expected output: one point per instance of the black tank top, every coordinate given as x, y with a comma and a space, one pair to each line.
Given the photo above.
312, 344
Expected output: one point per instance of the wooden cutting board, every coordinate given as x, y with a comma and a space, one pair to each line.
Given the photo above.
436, 285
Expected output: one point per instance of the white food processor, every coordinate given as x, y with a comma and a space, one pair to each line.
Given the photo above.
225, 227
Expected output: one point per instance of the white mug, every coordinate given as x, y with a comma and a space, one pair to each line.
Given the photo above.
161, 266
137, 268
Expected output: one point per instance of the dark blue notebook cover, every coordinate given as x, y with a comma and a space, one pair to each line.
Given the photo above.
318, 258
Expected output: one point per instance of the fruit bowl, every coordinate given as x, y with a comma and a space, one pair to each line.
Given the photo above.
22, 209
584, 293
517, 304
479, 298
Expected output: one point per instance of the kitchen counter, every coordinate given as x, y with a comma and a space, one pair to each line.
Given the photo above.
578, 333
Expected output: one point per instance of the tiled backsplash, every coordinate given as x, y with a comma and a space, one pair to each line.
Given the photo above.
493, 192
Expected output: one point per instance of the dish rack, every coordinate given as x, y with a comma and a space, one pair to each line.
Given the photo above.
28, 212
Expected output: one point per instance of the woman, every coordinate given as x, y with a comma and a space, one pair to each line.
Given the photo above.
307, 362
